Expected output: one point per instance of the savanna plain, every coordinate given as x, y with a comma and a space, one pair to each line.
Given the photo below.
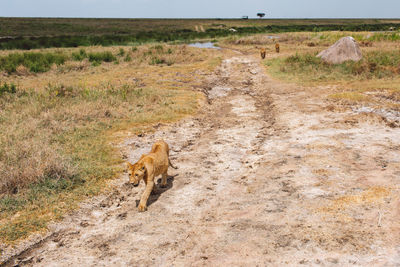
286, 160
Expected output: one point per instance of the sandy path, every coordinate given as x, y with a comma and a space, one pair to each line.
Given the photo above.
267, 176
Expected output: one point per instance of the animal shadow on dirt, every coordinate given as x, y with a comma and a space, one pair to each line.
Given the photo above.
158, 190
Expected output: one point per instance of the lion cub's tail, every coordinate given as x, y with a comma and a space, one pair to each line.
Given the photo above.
170, 164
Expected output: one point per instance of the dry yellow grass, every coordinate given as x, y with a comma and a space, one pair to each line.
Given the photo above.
55, 131
349, 96
371, 196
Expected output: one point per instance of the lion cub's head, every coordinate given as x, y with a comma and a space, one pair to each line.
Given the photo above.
136, 172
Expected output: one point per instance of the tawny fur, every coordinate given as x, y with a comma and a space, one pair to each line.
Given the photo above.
148, 168
277, 48
263, 52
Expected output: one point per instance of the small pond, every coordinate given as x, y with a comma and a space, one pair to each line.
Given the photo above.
205, 45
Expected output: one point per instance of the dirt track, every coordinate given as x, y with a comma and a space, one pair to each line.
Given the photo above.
267, 176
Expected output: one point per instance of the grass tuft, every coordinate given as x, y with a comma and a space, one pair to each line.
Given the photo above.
121, 52
8, 88
79, 56
101, 57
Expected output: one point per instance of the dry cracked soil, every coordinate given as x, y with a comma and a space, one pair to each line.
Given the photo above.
268, 176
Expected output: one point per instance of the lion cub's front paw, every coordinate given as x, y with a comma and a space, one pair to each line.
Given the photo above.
142, 207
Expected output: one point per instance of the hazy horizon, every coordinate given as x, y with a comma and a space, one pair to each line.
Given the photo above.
224, 9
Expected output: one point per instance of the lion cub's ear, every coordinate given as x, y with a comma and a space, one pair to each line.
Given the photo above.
130, 166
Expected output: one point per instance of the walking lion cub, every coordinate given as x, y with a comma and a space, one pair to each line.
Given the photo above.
277, 48
148, 168
263, 51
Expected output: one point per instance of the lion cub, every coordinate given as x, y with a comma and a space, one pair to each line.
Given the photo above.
263, 52
277, 48
148, 168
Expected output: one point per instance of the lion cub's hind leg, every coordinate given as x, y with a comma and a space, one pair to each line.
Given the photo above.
164, 180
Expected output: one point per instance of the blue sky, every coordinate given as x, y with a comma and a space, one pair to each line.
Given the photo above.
201, 9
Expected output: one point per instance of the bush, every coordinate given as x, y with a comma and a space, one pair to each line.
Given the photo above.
128, 58
156, 61
121, 52
35, 62
42, 62
79, 56
101, 57
8, 88
158, 48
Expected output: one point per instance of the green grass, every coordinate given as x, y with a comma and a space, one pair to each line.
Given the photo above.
309, 68
96, 57
101, 57
79, 56
378, 37
38, 62
35, 62
331, 37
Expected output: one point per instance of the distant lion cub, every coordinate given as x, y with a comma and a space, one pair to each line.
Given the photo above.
277, 48
263, 52
148, 168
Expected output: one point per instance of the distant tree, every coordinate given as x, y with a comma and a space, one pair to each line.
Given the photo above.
261, 15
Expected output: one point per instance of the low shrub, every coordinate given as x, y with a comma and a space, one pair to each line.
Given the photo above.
8, 88
79, 56
35, 62
128, 58
121, 52
157, 61
159, 48
101, 57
